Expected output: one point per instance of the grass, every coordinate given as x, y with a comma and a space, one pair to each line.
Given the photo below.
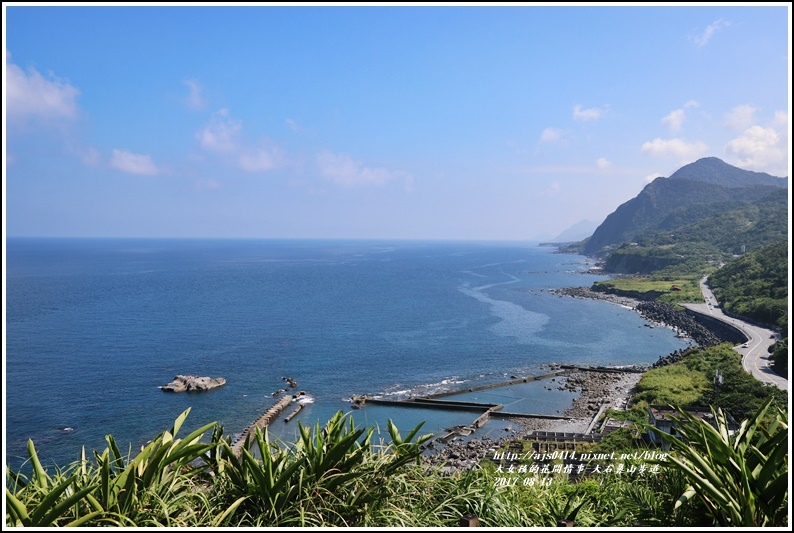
672, 384
654, 288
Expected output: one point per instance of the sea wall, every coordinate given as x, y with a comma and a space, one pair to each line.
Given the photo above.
723, 330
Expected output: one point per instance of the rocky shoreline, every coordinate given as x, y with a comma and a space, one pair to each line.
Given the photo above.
586, 292
681, 322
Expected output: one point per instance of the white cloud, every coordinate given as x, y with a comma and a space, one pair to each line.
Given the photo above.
781, 119
760, 149
740, 117
292, 124
195, 97
551, 135
32, 95
678, 148
584, 115
674, 120
603, 163
650, 177
220, 135
260, 160
342, 170
711, 29
133, 163
692, 103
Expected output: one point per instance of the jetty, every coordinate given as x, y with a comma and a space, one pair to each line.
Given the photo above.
262, 422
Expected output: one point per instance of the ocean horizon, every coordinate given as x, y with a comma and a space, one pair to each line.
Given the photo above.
95, 326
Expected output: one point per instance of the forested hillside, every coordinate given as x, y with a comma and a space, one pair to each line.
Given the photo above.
690, 247
756, 285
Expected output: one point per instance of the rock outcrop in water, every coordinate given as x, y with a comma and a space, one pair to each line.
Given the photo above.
193, 383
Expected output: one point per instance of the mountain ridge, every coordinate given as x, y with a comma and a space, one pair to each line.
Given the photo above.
667, 203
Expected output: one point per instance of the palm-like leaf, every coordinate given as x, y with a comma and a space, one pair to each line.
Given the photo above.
740, 478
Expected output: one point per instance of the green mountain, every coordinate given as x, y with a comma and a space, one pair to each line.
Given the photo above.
693, 194
685, 247
718, 172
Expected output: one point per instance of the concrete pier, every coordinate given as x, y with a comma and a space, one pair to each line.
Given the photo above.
261, 423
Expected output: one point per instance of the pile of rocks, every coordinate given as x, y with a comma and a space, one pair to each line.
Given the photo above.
596, 388
678, 320
460, 455
672, 357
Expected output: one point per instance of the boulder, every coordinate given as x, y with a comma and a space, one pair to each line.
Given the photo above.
193, 383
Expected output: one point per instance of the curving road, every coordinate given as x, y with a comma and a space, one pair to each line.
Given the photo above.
755, 357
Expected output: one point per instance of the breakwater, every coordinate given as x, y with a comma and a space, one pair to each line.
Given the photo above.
261, 423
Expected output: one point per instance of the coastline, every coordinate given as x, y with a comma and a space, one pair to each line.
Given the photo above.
598, 392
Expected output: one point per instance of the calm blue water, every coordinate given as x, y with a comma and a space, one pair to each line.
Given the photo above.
95, 326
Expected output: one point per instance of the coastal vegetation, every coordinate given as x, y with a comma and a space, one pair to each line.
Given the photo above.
697, 248
669, 290
780, 356
338, 476
755, 285
691, 382
742, 480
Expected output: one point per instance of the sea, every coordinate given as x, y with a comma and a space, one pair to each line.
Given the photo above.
95, 327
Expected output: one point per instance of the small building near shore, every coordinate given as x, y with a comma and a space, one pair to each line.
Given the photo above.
665, 418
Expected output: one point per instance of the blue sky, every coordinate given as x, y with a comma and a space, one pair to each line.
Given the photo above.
411, 122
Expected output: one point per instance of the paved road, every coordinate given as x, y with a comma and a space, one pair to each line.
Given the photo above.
755, 357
